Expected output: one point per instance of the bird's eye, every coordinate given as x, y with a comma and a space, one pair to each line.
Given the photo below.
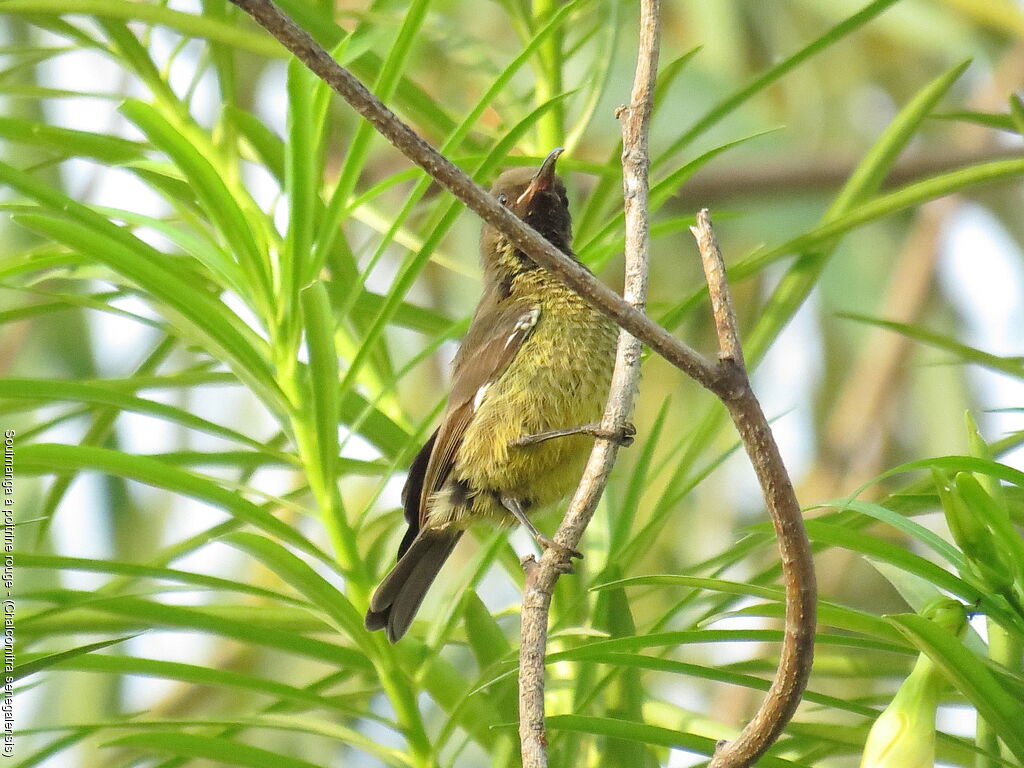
503, 198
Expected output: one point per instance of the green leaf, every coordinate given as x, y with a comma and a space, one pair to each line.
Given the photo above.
622, 521
67, 142
373, 424
597, 83
840, 536
200, 675
1017, 113
955, 464
871, 171
301, 183
267, 145
244, 625
70, 301
916, 531
45, 661
60, 562
50, 458
219, 330
698, 636
323, 374
386, 83
769, 76
649, 734
407, 315
55, 390
185, 23
1006, 539
661, 193
452, 143
223, 269
485, 637
1014, 366
817, 247
223, 751
233, 212
640, 662
997, 121
279, 722
881, 206
304, 580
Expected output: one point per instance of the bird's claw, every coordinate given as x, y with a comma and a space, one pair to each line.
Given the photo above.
624, 435
547, 542
621, 436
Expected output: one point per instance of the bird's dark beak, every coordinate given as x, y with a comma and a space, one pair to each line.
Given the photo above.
544, 178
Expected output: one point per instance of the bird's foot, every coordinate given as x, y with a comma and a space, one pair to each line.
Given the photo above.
546, 542
622, 435
531, 567
515, 506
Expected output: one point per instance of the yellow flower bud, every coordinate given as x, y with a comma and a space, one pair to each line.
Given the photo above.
903, 736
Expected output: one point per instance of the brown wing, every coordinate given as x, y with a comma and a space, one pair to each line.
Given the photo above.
496, 334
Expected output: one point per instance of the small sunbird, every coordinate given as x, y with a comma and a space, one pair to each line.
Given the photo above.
531, 375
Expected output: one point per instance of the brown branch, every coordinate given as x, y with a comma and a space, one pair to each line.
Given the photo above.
718, 289
712, 187
413, 146
797, 651
541, 583
727, 379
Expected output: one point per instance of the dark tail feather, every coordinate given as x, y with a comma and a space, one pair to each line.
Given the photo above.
412, 493
398, 597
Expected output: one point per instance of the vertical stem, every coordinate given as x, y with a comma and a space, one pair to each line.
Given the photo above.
328, 502
1007, 651
396, 683
541, 578
550, 127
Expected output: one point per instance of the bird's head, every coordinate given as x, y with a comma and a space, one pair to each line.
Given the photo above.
538, 198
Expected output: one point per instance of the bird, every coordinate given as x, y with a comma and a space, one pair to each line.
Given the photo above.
529, 383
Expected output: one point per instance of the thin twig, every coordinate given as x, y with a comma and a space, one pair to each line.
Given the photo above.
718, 289
539, 588
797, 651
726, 378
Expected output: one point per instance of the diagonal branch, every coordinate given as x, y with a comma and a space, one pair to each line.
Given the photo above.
726, 378
413, 146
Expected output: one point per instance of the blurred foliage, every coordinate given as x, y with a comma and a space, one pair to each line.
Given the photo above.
211, 265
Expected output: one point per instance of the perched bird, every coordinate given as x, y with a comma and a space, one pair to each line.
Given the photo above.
531, 375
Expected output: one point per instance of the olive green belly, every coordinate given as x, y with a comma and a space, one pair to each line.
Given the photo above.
556, 381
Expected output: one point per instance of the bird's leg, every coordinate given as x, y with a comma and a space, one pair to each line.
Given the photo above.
546, 542
623, 435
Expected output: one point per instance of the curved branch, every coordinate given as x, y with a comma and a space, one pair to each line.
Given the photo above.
797, 653
541, 578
